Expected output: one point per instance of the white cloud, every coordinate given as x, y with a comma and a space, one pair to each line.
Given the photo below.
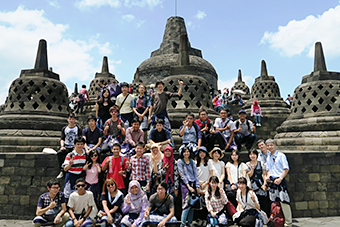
221, 84
85, 4
299, 36
189, 23
54, 3
143, 3
200, 15
140, 23
71, 59
128, 17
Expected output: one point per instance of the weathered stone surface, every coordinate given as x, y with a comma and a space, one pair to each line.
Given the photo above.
312, 205
314, 177
313, 124
37, 104
301, 205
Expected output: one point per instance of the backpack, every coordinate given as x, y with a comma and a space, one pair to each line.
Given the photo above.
81, 98
237, 124
276, 215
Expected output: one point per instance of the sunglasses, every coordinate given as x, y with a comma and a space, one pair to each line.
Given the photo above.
110, 185
80, 185
94, 155
114, 111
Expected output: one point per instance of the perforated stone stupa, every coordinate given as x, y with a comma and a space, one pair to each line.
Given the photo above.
274, 110
241, 85
157, 67
314, 124
35, 110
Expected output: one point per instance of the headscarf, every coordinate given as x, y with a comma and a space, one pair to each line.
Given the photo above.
256, 105
136, 200
156, 158
170, 161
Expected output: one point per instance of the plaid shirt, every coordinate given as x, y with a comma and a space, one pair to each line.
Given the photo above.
140, 169
45, 200
215, 204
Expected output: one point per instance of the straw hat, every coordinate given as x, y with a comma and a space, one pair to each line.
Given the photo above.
218, 150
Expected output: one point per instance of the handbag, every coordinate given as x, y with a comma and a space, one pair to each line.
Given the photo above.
212, 220
194, 201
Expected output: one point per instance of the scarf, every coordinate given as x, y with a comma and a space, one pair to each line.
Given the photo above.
156, 158
115, 199
170, 162
256, 105
136, 200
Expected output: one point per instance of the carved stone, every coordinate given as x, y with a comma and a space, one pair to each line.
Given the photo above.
158, 66
274, 110
35, 110
241, 85
314, 124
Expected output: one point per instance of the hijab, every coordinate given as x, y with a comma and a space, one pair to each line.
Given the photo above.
256, 105
156, 158
136, 200
170, 162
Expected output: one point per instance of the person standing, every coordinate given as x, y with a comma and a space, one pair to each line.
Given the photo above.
277, 170
159, 101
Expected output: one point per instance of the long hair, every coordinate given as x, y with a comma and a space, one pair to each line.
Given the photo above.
238, 159
243, 180
214, 179
198, 159
89, 159
109, 181
101, 99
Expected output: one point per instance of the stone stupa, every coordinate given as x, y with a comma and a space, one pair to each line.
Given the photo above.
157, 67
274, 109
314, 124
241, 85
177, 60
35, 110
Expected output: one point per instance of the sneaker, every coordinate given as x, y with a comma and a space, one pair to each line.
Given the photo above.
259, 125
60, 175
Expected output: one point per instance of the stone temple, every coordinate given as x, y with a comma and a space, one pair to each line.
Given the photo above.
35, 110
274, 110
241, 85
314, 124
176, 60
158, 66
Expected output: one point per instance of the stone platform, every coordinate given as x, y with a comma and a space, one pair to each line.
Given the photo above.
313, 183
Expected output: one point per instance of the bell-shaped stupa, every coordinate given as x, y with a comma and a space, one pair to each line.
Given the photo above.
35, 110
158, 66
314, 124
274, 110
241, 85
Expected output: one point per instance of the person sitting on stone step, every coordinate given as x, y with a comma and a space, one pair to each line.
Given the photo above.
51, 208
244, 132
159, 135
68, 134
190, 133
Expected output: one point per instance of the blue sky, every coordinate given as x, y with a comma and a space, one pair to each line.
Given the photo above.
231, 34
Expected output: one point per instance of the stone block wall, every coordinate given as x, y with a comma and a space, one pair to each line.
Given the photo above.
313, 183
23, 178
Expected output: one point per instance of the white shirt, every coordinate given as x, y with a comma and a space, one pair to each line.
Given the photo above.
217, 167
221, 124
249, 203
126, 108
79, 202
203, 172
237, 172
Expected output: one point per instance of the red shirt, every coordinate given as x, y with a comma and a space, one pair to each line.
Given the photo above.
113, 168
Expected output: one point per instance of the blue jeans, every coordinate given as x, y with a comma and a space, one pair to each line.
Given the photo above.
257, 118
187, 213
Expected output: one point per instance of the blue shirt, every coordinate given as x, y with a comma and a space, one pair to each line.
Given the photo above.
191, 135
262, 157
188, 172
276, 164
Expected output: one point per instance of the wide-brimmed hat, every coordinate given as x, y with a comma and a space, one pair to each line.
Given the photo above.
202, 148
216, 149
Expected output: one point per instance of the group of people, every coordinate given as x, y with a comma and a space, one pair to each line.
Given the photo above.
115, 177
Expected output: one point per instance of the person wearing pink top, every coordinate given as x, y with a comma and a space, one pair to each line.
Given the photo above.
92, 168
256, 112
82, 97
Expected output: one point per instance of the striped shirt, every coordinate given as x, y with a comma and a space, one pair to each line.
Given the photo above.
79, 160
